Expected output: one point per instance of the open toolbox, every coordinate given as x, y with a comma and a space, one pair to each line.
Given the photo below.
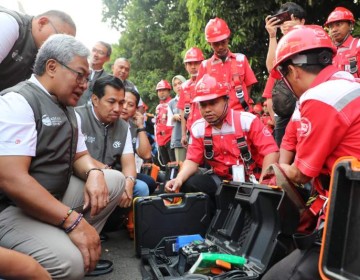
252, 221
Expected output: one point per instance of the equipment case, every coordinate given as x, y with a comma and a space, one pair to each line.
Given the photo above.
156, 217
251, 220
340, 252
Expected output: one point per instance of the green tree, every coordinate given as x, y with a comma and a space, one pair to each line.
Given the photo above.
153, 41
157, 33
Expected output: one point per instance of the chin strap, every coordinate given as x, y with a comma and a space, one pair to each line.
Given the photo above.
222, 116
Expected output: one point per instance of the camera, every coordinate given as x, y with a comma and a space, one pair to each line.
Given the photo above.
283, 16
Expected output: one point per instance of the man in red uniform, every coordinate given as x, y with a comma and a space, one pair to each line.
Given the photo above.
189, 110
340, 23
223, 138
163, 132
228, 67
329, 127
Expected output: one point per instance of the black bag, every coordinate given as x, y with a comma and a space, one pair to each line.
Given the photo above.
283, 99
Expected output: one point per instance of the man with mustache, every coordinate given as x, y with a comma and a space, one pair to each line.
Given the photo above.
223, 138
340, 24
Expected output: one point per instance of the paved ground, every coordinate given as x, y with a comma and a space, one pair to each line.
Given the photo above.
119, 248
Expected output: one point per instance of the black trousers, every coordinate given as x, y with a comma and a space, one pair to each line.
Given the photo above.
202, 183
166, 153
299, 265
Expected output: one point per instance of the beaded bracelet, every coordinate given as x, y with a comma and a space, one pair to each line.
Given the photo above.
88, 172
66, 217
74, 225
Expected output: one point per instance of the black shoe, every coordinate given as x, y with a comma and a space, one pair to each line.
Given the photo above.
103, 237
102, 267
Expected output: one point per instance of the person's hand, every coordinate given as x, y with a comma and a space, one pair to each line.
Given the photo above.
127, 197
177, 117
96, 193
184, 141
288, 25
271, 26
138, 119
87, 240
173, 185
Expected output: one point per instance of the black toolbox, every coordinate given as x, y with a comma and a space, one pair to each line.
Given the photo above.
251, 220
158, 216
340, 251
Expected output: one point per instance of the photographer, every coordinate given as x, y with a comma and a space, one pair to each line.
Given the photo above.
280, 101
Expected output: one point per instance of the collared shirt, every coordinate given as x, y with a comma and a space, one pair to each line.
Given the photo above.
18, 134
187, 94
223, 73
330, 123
226, 151
348, 50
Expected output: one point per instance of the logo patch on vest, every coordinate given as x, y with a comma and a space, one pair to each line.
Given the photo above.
117, 144
89, 139
51, 121
15, 56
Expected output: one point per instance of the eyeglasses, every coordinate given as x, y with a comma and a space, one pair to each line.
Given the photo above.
80, 78
53, 26
99, 52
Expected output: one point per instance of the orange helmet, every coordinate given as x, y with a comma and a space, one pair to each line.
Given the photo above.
340, 14
299, 39
216, 30
208, 88
193, 54
163, 84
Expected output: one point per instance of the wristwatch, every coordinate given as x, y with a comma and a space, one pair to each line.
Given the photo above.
140, 129
132, 178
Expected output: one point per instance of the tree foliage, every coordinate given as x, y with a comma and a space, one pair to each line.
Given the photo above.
156, 33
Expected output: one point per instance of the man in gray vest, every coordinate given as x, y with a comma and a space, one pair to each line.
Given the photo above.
108, 137
20, 38
100, 54
47, 176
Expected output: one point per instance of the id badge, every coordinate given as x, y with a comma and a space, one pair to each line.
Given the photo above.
238, 173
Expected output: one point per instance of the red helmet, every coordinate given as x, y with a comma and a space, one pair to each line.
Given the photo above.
208, 88
163, 84
340, 14
299, 39
193, 54
216, 30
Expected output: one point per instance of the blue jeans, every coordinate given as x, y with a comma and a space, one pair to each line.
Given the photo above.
140, 189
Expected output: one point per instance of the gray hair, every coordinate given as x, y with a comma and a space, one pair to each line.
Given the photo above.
122, 59
60, 47
64, 17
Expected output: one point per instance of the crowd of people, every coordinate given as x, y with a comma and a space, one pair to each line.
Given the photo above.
73, 137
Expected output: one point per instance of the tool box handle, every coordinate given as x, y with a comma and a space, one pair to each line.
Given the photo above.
171, 195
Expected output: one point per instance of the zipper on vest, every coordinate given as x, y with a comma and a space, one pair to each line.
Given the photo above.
105, 144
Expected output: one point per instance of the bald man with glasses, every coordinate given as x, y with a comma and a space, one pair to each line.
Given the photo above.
21, 36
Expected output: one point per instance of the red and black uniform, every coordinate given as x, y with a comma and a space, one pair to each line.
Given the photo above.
190, 108
226, 152
348, 56
236, 71
163, 132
